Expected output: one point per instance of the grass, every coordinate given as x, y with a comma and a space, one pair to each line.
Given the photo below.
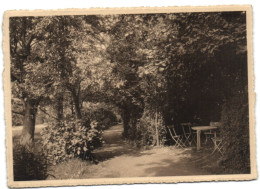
71, 169
16, 133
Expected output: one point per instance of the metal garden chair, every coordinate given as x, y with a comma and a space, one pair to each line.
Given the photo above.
189, 136
218, 145
176, 138
211, 133
217, 140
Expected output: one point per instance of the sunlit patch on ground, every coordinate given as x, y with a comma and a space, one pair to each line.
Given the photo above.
119, 159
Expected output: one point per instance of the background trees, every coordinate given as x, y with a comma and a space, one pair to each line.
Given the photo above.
166, 68
184, 66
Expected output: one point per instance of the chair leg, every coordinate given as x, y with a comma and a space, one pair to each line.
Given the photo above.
220, 146
208, 136
206, 139
182, 144
187, 140
179, 143
217, 146
193, 139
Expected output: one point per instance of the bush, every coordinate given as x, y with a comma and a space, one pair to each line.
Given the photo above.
28, 164
235, 134
104, 117
145, 133
69, 139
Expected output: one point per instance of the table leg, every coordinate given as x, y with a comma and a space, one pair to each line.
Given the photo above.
198, 139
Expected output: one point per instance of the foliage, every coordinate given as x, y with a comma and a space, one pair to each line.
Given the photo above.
200, 76
17, 112
28, 164
17, 119
235, 134
145, 134
104, 117
173, 64
30, 77
44, 64
61, 141
177, 63
105, 114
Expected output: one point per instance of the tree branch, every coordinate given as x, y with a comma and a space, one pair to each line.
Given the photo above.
44, 111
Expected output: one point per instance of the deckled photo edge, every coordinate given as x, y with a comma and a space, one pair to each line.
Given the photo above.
7, 97
105, 181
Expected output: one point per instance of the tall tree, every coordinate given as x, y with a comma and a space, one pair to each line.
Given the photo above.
30, 79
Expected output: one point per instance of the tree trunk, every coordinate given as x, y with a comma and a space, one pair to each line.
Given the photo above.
156, 128
126, 121
60, 107
77, 110
27, 136
72, 108
77, 105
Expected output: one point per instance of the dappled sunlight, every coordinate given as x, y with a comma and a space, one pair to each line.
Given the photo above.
168, 79
119, 159
114, 145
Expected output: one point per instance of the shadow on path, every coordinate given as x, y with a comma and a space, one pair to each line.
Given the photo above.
119, 159
114, 145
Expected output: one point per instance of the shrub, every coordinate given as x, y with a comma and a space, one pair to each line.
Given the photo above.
104, 117
28, 164
69, 139
235, 134
145, 133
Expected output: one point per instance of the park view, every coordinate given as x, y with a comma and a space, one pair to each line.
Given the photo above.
129, 95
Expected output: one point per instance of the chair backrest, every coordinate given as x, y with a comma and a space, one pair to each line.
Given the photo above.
171, 127
186, 128
216, 124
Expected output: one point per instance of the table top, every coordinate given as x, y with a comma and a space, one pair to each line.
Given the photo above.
204, 127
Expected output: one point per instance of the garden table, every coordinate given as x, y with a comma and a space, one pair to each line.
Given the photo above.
202, 128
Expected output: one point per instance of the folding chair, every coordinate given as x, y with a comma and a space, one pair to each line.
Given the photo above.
176, 138
217, 140
210, 134
218, 145
189, 137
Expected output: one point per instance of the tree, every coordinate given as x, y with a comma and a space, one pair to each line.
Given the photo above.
205, 76
164, 63
175, 62
76, 46
30, 81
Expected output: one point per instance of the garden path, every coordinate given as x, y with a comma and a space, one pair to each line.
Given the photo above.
119, 159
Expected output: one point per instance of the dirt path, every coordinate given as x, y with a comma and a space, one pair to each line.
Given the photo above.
119, 159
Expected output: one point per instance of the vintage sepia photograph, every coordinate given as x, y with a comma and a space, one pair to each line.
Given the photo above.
149, 95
